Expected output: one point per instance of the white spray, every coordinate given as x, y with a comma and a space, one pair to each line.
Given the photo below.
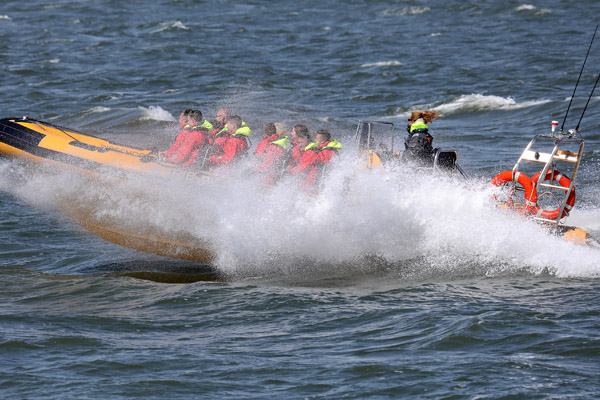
434, 224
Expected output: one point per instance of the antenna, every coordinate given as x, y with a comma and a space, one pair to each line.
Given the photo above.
586, 104
580, 72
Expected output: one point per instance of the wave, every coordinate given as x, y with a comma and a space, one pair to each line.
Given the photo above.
171, 25
392, 63
525, 7
414, 10
480, 102
530, 7
155, 113
98, 109
5, 17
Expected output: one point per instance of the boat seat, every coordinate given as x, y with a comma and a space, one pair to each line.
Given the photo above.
445, 159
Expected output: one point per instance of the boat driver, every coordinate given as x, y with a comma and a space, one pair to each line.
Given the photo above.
418, 143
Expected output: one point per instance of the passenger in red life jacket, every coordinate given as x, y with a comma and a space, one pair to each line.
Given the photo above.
296, 150
220, 121
220, 125
269, 135
193, 136
231, 142
303, 169
272, 153
184, 120
327, 147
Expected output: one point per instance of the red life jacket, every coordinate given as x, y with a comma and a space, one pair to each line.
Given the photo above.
232, 147
295, 154
262, 146
326, 153
187, 140
307, 167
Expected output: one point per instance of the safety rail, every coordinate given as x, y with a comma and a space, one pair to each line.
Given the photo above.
568, 159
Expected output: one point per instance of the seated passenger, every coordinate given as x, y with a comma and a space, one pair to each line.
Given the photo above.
193, 136
221, 127
269, 135
272, 153
418, 143
230, 142
220, 121
327, 147
184, 119
304, 167
296, 149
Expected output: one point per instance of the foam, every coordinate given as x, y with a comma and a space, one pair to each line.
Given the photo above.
98, 109
155, 113
414, 10
449, 227
525, 7
479, 102
171, 25
392, 63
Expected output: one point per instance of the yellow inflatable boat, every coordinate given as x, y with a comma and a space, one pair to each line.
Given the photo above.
45, 143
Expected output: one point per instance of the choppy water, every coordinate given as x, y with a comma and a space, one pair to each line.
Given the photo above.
403, 290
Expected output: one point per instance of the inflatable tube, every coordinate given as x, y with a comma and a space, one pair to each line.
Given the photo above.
42, 142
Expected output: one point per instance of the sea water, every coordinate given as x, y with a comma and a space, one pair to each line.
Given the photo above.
386, 285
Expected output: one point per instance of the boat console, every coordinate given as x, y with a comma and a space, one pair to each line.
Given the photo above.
379, 143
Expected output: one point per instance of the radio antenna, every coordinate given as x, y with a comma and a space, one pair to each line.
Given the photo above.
580, 72
586, 104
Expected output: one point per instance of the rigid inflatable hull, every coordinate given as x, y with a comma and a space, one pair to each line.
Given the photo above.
140, 235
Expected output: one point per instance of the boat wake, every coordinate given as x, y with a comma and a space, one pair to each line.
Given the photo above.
363, 224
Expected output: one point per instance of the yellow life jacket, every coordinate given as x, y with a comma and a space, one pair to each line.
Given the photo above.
244, 130
333, 144
312, 146
284, 143
418, 124
204, 125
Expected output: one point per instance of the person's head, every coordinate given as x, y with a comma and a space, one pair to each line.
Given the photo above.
196, 115
299, 129
183, 117
222, 115
270, 130
234, 122
428, 116
281, 129
323, 136
302, 137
